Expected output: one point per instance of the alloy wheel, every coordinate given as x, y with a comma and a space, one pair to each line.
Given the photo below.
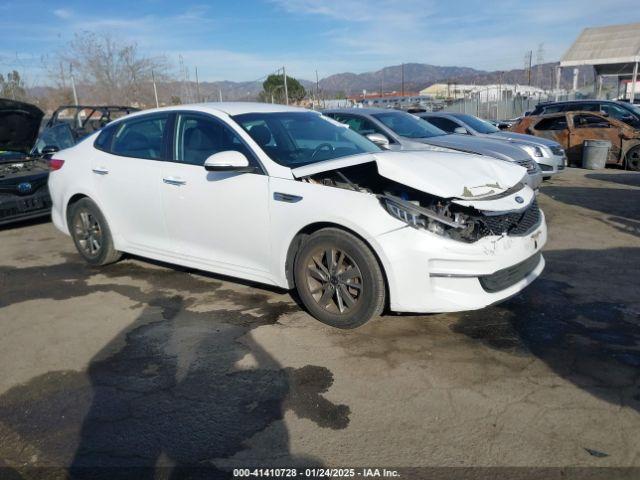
334, 280
88, 233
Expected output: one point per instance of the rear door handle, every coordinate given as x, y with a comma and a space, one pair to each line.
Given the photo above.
100, 171
174, 181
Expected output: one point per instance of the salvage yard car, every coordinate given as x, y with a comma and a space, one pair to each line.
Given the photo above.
548, 154
23, 171
288, 197
571, 129
397, 130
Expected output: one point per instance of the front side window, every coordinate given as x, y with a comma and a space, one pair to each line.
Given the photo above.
198, 137
617, 112
358, 124
590, 121
140, 137
442, 123
406, 125
294, 139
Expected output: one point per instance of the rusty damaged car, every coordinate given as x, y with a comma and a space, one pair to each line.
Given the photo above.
571, 129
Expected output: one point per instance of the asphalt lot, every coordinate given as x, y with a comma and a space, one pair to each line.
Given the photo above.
151, 365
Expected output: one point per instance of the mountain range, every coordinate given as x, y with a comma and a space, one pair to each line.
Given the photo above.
416, 77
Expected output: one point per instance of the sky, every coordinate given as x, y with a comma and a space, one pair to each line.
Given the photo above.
244, 40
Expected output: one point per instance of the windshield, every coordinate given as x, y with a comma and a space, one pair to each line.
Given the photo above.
294, 139
406, 125
59, 136
479, 125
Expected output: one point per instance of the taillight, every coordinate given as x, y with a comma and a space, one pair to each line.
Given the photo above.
55, 164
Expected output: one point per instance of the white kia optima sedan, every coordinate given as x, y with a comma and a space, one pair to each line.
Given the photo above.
288, 197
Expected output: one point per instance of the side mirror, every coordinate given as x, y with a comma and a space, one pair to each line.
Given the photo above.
229, 161
603, 113
461, 131
379, 139
50, 149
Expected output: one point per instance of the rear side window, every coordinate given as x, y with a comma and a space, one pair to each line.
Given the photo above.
140, 137
555, 123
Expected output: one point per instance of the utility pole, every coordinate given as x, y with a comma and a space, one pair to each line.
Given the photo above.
317, 88
197, 86
286, 91
527, 65
402, 80
73, 85
220, 94
155, 89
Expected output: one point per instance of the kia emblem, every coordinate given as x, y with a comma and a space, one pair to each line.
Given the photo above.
24, 187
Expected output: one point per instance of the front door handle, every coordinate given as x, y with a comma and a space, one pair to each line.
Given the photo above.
100, 171
174, 181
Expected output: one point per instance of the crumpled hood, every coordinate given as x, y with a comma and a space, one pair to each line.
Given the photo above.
446, 175
528, 139
483, 146
19, 125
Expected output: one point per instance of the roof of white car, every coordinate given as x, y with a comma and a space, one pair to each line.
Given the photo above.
237, 108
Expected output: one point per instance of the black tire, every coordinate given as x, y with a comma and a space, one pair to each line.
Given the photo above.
91, 233
339, 279
632, 159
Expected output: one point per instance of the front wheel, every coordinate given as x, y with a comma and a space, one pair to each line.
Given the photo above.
91, 233
632, 159
338, 279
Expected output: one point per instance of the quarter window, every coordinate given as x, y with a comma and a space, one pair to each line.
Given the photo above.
141, 137
198, 137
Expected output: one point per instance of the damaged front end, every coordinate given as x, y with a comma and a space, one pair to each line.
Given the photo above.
475, 213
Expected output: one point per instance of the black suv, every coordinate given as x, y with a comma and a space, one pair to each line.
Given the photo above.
623, 111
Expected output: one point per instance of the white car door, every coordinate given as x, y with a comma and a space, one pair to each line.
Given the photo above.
220, 219
127, 171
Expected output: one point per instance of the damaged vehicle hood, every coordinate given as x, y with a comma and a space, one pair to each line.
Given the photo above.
19, 125
458, 176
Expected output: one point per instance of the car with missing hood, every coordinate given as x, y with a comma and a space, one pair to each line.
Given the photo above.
23, 172
548, 154
572, 129
396, 130
288, 197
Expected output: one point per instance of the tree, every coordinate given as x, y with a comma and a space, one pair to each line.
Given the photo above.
13, 86
108, 70
273, 88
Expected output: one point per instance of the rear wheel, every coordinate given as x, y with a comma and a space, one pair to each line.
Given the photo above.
338, 279
91, 233
632, 158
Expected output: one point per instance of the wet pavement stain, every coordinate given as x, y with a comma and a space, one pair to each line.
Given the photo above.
594, 344
170, 390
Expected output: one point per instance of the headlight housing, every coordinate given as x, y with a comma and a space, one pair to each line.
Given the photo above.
534, 152
422, 218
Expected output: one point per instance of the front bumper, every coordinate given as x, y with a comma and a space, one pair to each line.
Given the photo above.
552, 165
427, 273
14, 207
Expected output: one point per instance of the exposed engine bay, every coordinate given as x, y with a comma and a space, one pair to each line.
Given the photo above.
425, 211
18, 168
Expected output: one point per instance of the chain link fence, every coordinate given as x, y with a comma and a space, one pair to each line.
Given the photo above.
500, 109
